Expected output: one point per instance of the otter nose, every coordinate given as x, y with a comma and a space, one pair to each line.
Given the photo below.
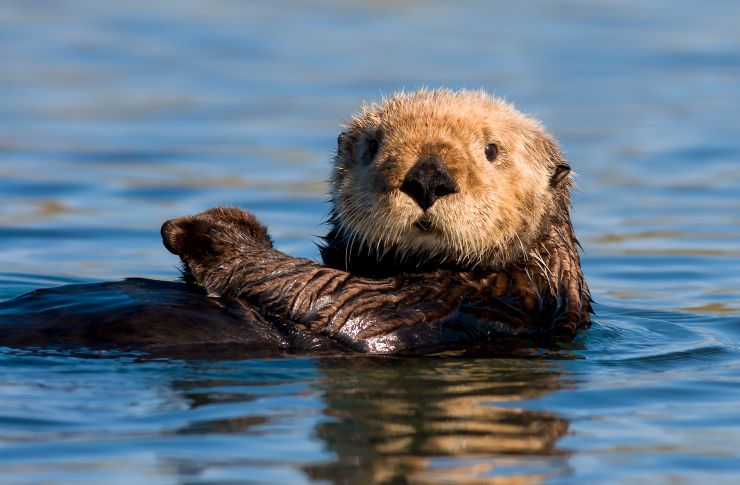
426, 182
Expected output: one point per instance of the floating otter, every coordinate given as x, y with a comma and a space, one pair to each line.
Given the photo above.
450, 226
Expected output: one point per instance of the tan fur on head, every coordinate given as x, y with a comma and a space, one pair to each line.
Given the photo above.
501, 207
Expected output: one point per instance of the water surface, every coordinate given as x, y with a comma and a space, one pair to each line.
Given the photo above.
117, 116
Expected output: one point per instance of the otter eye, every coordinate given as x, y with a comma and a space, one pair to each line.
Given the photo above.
372, 148
491, 151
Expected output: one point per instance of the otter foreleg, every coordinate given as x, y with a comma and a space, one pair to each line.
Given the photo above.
228, 252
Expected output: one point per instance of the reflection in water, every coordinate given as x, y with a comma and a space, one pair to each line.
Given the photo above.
376, 420
399, 421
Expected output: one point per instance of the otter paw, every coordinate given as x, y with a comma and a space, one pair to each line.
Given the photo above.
201, 239
187, 235
239, 221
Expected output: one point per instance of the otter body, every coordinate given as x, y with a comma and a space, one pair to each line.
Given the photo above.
450, 227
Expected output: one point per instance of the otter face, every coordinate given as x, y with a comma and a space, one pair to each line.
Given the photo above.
461, 177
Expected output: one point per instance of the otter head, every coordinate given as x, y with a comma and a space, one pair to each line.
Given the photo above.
453, 177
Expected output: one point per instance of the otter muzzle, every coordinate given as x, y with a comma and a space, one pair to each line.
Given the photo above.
427, 181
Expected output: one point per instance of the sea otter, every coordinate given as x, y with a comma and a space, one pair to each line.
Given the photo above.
450, 226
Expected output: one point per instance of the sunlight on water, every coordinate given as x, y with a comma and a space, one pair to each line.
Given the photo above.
117, 116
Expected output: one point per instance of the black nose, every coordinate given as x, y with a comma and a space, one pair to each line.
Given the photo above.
427, 181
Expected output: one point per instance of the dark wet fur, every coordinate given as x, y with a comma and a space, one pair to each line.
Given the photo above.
146, 315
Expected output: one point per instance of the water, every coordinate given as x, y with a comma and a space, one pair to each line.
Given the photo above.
115, 116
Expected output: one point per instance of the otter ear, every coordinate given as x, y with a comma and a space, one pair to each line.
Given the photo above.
345, 146
555, 157
561, 171
344, 142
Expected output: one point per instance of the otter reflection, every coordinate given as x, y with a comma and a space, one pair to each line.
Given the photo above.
415, 421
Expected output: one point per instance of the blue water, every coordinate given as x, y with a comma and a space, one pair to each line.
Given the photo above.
115, 116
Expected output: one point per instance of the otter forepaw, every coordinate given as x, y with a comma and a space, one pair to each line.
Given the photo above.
204, 239
239, 221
